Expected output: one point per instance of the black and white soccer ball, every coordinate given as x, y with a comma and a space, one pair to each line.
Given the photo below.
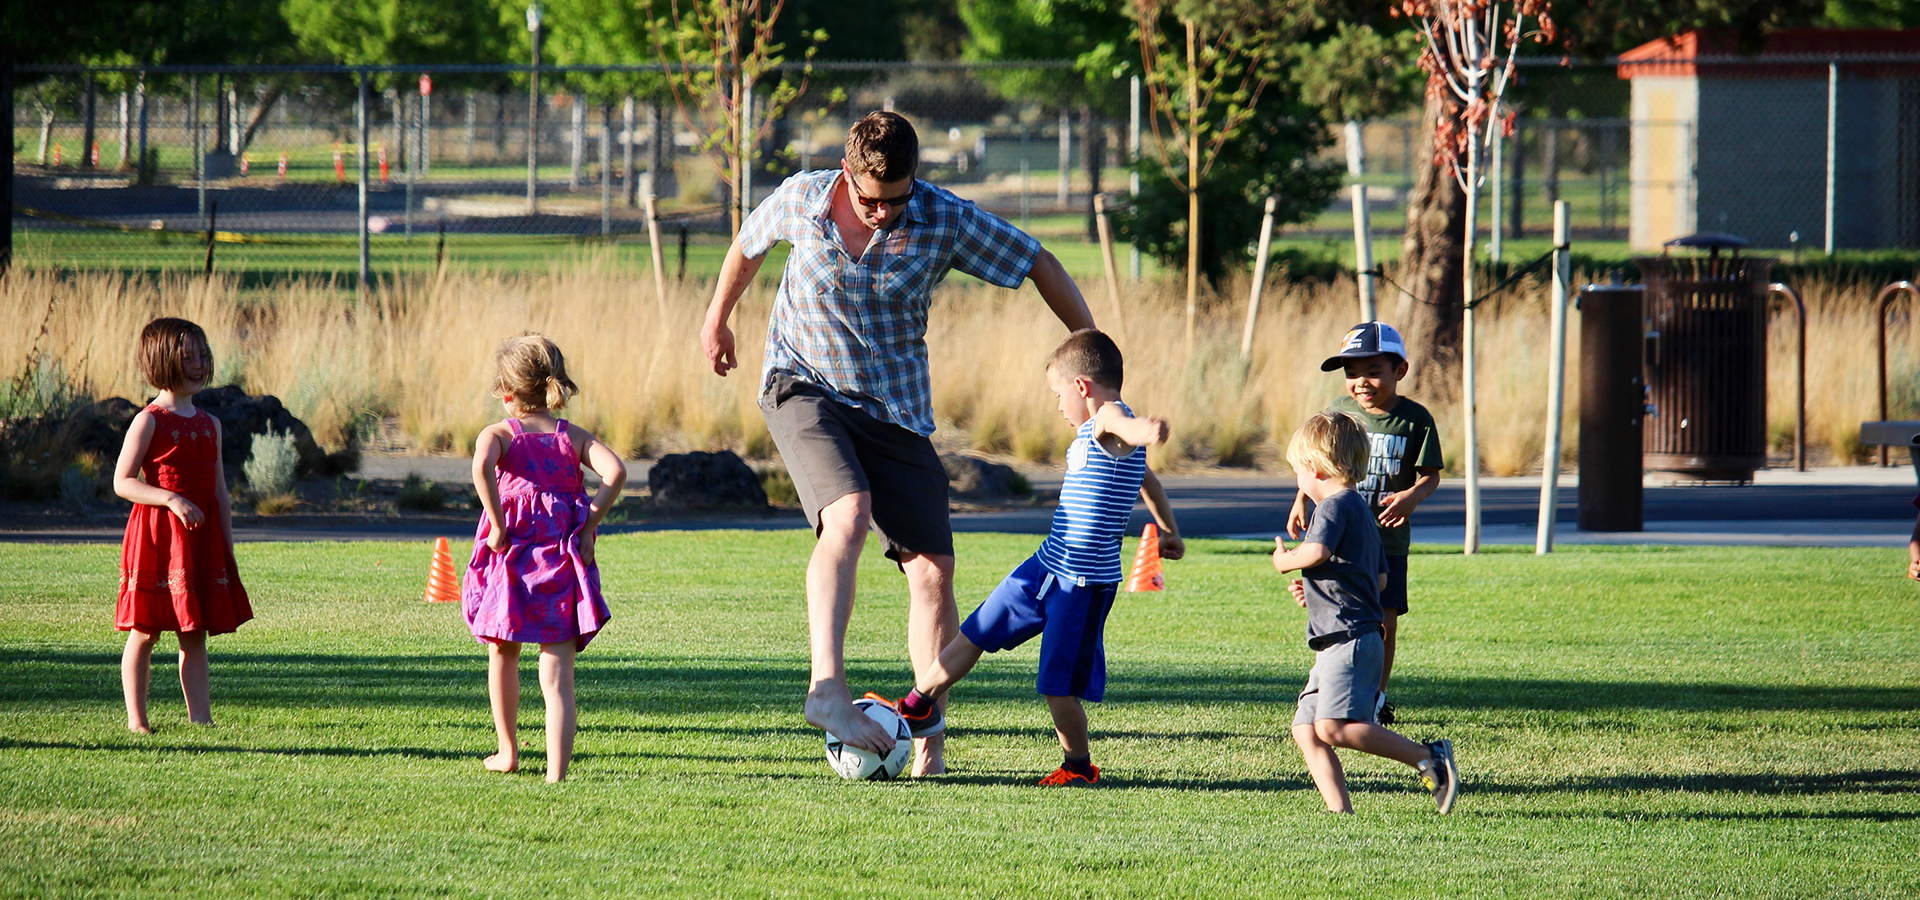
861, 765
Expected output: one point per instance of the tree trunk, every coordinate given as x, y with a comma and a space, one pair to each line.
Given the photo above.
1430, 264
259, 115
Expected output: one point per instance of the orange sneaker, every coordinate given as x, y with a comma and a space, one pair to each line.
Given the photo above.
1061, 777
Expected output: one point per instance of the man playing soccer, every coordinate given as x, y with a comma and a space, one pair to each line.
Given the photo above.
845, 388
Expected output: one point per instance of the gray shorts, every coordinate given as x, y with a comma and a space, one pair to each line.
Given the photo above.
1344, 683
832, 450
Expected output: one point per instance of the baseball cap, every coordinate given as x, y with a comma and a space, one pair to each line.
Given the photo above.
1367, 339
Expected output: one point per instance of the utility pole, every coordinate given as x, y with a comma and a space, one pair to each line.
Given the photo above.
533, 112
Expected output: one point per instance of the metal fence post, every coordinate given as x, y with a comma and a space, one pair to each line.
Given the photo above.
1066, 156
627, 191
533, 113
744, 196
1493, 181
1362, 227
1833, 121
360, 123
199, 152
144, 173
606, 168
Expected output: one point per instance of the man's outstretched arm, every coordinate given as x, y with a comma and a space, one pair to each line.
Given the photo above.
1059, 290
715, 336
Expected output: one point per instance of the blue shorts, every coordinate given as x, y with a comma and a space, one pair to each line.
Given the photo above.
1394, 595
1069, 619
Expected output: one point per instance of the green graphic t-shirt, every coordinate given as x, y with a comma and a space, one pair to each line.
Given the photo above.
1404, 440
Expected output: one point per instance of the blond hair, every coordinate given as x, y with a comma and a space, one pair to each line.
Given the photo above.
530, 369
1333, 444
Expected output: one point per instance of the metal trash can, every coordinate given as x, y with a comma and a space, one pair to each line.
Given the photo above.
1707, 360
1612, 405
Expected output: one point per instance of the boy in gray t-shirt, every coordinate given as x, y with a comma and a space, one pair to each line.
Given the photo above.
1343, 569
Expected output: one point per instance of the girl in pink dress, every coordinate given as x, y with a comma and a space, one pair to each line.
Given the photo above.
532, 578
176, 561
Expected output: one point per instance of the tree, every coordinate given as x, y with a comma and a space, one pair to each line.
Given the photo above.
1430, 268
1471, 45
722, 49
1276, 154
1205, 89
400, 32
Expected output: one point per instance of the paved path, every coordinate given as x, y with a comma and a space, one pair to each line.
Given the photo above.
1838, 507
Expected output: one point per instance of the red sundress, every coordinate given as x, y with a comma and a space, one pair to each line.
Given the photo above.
175, 578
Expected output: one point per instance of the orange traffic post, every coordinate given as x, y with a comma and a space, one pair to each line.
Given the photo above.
1146, 562
442, 585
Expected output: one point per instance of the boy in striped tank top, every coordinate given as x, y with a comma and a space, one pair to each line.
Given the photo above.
1064, 592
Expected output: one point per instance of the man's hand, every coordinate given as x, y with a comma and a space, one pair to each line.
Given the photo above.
1171, 546
1399, 507
717, 339
1298, 589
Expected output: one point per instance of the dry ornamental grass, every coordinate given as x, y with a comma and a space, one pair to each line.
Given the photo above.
418, 351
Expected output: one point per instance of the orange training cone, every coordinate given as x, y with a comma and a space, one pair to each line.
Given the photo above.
442, 586
1146, 562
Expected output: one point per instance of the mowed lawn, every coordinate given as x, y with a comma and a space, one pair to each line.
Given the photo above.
1629, 723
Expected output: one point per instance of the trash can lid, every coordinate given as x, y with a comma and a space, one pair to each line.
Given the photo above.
1709, 240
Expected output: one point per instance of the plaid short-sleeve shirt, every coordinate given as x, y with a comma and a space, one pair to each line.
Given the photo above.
856, 327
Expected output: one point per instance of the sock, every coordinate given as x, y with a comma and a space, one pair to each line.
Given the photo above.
916, 705
1081, 766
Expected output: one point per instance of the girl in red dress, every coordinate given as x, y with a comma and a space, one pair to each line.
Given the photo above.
176, 562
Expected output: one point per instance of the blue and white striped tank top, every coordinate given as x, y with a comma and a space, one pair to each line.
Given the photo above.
1096, 498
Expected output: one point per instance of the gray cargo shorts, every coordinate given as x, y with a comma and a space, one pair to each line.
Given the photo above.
832, 450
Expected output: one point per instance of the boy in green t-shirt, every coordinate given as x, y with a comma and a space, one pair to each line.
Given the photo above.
1403, 468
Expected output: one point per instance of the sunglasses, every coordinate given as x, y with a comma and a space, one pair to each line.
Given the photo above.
877, 202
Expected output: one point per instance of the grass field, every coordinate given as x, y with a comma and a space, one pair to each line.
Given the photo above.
1630, 723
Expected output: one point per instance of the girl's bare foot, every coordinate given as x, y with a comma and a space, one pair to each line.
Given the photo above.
555, 778
139, 728
501, 762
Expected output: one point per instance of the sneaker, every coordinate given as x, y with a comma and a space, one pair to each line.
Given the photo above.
1440, 776
923, 726
1063, 778
1382, 710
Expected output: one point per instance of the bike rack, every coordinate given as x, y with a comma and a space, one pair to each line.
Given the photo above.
1777, 289
1880, 303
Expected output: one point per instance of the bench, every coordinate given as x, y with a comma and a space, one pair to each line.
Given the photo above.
1894, 434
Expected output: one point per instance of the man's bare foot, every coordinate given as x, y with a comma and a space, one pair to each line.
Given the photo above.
834, 713
930, 756
501, 762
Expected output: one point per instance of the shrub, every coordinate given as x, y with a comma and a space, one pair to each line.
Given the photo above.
276, 505
420, 494
270, 465
778, 484
78, 487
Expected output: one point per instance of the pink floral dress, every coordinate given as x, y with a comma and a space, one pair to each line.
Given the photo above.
538, 590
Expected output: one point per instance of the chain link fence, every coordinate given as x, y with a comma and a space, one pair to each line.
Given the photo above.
133, 169
260, 169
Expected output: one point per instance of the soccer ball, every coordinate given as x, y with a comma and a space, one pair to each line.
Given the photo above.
860, 765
